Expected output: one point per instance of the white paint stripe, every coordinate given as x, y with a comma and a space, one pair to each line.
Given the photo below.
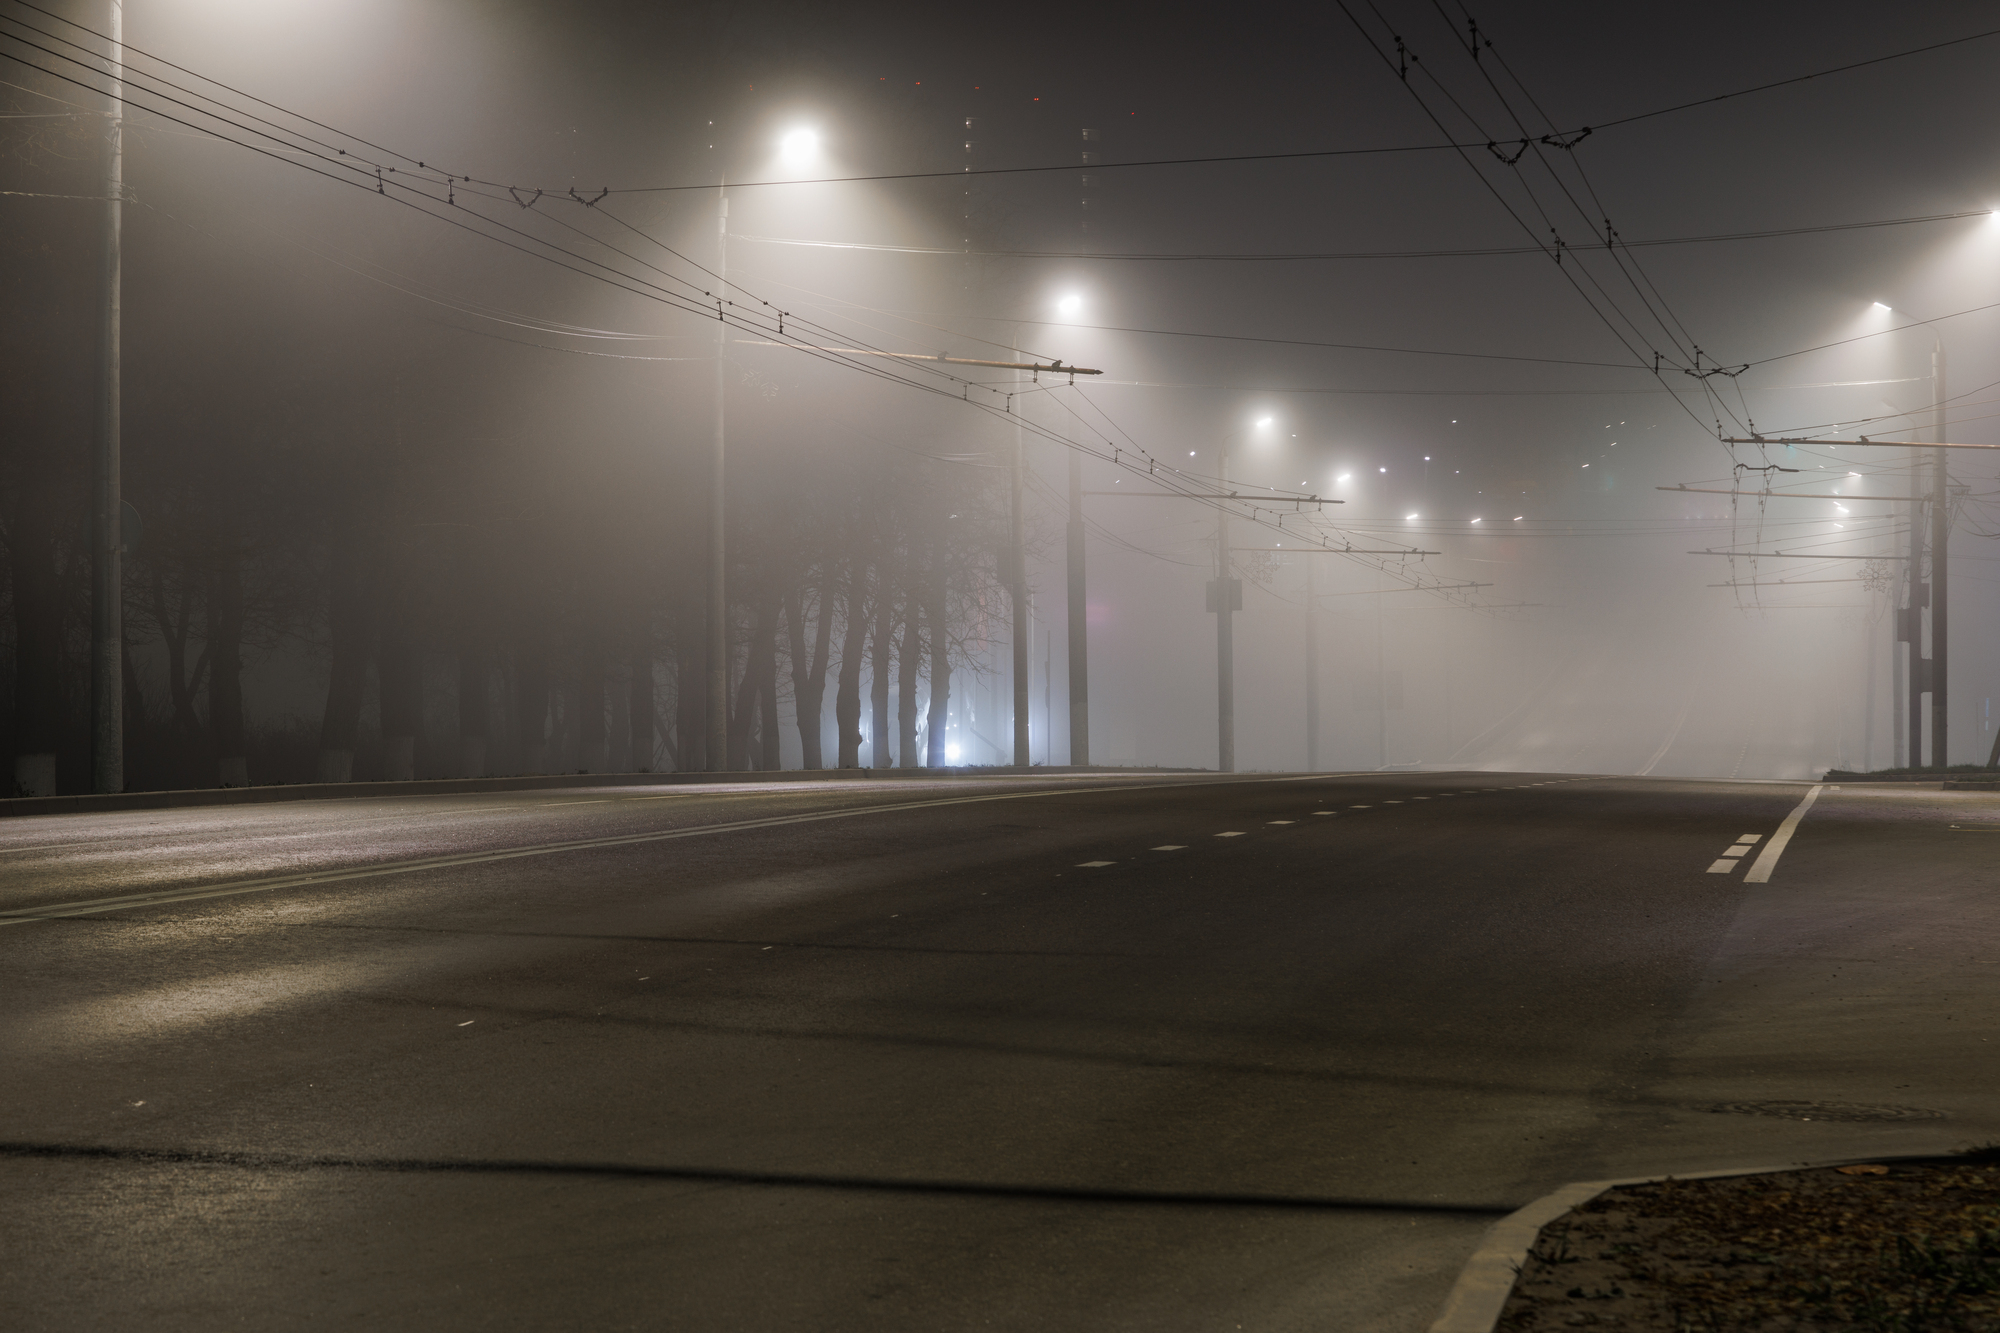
1281, 821
1090, 865
22, 915
1750, 837
1236, 834
1172, 847
1768, 861
1722, 867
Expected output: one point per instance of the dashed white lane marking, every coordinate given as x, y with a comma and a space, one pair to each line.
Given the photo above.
1237, 834
1750, 838
1723, 867
1737, 850
1328, 812
1975, 828
1091, 865
1281, 821
1360, 807
468, 1022
1172, 847
1392, 802
1775, 848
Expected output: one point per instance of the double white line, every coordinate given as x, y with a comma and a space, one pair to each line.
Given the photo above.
22, 915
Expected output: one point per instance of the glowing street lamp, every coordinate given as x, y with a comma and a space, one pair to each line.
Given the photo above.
797, 149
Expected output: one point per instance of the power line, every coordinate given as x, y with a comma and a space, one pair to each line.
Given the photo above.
1471, 252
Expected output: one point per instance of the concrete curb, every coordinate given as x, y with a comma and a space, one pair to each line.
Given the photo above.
348, 791
1487, 1280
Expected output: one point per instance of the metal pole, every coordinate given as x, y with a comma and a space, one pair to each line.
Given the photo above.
1940, 540
1914, 702
107, 573
1898, 673
716, 716
1312, 670
1079, 624
1017, 592
1225, 646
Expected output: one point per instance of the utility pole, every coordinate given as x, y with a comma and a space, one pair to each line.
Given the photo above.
1912, 631
1079, 624
1225, 597
1940, 540
716, 715
1017, 591
1898, 673
1312, 670
107, 570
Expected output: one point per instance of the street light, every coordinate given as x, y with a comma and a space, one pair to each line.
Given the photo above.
1225, 597
797, 148
1929, 675
1069, 306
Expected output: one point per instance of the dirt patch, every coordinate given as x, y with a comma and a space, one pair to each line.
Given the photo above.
1908, 1248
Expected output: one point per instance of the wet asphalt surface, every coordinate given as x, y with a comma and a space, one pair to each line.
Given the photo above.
896, 1055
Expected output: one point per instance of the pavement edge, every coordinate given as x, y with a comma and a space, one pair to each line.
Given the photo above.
1477, 1299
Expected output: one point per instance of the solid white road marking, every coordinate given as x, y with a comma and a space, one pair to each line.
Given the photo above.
1760, 873
1723, 867
1172, 847
1089, 865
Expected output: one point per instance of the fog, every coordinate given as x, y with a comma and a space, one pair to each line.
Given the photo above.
422, 459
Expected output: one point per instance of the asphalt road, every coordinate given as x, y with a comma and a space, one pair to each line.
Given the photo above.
1101, 1053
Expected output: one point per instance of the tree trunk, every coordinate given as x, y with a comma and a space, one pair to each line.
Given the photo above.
400, 677
742, 711
618, 732
934, 610
908, 661
639, 708
346, 619
847, 696
770, 756
690, 688
531, 709
37, 603
809, 677
884, 645
175, 620
472, 710
590, 751
225, 670
759, 667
